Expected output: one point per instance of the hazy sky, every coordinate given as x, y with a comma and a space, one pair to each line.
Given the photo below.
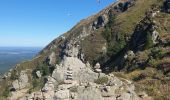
37, 22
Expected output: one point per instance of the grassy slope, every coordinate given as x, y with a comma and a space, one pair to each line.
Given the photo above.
125, 24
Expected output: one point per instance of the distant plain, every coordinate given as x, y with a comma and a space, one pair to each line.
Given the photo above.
10, 56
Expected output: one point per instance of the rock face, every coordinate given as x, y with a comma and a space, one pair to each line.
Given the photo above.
22, 82
52, 59
167, 6
73, 80
62, 95
100, 22
73, 69
123, 5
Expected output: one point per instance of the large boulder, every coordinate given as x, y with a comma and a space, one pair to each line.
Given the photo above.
15, 85
52, 59
89, 93
23, 79
58, 75
22, 82
86, 75
79, 71
62, 95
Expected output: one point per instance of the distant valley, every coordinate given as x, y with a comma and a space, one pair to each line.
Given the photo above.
10, 56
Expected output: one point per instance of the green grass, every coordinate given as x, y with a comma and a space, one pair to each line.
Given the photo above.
126, 22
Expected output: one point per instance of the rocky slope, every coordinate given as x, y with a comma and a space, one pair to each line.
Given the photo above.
121, 53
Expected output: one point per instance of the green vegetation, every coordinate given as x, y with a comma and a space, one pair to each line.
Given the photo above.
6, 93
73, 89
14, 75
37, 84
43, 68
115, 43
101, 80
149, 41
157, 53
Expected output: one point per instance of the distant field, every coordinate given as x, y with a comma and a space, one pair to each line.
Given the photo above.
10, 56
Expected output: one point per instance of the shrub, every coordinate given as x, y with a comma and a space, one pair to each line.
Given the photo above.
157, 53
152, 63
139, 77
14, 75
73, 89
149, 42
107, 34
35, 83
44, 69
6, 93
115, 47
101, 80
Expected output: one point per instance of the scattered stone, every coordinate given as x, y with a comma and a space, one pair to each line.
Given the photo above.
155, 36
97, 68
38, 73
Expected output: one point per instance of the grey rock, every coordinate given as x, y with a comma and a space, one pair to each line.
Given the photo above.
15, 85
22, 82
125, 96
38, 73
62, 95
52, 58
97, 66
89, 93
155, 35
86, 75
58, 75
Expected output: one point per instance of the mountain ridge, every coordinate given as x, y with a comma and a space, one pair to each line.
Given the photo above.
125, 41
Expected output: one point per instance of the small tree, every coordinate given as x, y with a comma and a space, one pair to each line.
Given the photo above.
45, 70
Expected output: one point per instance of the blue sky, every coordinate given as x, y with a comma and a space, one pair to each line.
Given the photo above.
32, 23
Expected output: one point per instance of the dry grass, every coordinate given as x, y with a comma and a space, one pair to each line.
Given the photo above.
127, 21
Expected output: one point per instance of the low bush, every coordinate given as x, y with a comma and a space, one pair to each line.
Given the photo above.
101, 80
14, 75
6, 93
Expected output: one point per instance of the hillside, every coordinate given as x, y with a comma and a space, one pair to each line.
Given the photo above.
121, 53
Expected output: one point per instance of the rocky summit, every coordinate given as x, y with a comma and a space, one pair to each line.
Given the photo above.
121, 53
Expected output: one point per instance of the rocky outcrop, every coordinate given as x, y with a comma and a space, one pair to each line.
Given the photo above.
100, 22
145, 31
22, 82
52, 59
167, 6
73, 80
73, 69
123, 5
62, 95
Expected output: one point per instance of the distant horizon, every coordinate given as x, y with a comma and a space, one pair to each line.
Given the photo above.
35, 23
